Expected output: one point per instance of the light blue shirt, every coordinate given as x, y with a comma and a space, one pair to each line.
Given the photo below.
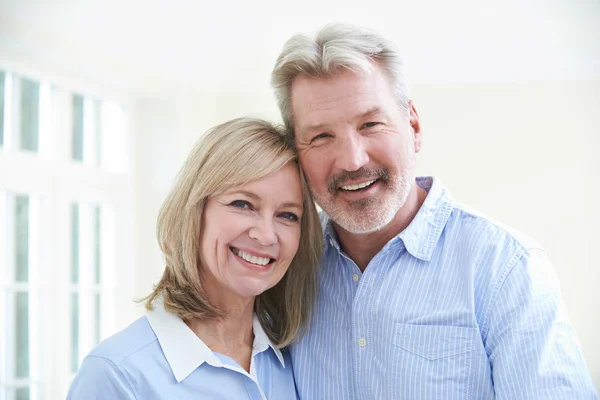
454, 307
159, 357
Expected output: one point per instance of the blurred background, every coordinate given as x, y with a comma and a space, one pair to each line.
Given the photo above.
100, 102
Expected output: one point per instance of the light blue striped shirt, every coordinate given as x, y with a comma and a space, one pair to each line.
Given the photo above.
159, 357
454, 307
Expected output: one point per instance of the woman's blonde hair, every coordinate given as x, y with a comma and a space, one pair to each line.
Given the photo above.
233, 154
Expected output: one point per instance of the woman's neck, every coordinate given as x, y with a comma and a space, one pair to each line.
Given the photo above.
231, 335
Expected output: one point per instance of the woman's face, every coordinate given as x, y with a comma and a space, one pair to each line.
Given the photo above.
251, 234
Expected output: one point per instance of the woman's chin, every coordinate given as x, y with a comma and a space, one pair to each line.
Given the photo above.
250, 289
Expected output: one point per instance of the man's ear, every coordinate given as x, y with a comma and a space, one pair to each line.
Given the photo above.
415, 123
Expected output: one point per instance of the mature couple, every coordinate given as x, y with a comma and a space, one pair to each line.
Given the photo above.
395, 293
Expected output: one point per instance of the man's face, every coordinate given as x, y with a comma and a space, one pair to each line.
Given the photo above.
357, 148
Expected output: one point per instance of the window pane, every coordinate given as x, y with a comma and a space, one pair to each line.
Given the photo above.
86, 130
22, 238
2, 77
74, 243
97, 244
22, 394
77, 151
22, 334
93, 136
74, 331
97, 324
30, 106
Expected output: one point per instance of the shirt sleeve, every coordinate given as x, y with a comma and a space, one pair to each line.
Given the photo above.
532, 347
100, 379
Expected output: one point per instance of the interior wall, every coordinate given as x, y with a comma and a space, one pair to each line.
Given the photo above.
522, 153
165, 131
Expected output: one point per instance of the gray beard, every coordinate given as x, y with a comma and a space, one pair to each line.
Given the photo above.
346, 217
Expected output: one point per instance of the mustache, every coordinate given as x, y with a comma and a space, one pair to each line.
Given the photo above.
335, 181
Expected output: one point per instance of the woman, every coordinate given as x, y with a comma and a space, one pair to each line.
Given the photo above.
241, 239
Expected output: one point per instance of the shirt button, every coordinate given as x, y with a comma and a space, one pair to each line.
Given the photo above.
355, 277
362, 342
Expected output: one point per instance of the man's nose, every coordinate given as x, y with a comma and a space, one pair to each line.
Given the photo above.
351, 152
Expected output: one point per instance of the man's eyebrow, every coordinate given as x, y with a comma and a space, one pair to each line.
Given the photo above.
311, 128
369, 113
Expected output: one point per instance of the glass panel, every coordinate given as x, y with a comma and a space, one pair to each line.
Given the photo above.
74, 243
22, 238
2, 77
74, 331
97, 325
97, 244
22, 394
94, 134
30, 106
86, 129
77, 151
22, 335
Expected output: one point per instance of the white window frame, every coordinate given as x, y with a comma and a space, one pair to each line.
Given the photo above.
53, 183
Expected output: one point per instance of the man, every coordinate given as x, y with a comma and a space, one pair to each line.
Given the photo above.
419, 298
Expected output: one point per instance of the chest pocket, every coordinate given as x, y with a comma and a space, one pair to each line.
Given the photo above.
432, 361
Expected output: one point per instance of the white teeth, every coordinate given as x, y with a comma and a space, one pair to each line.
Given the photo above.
359, 186
250, 258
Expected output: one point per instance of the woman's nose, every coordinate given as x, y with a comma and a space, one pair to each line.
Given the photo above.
263, 232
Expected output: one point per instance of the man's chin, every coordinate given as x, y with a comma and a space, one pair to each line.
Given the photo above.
361, 223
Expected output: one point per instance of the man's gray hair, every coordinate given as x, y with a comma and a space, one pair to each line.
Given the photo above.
336, 46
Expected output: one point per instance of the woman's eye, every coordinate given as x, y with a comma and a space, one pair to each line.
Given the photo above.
241, 204
321, 136
370, 124
289, 216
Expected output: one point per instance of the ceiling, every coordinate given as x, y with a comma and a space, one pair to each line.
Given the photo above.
152, 46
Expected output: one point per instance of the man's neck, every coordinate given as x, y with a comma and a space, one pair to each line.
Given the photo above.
361, 248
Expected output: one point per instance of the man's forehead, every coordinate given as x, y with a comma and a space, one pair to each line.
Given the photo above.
314, 115
328, 87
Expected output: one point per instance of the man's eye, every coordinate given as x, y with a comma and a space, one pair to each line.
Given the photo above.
370, 124
241, 204
289, 216
321, 136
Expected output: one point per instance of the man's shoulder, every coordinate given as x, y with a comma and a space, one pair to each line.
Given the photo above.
475, 226
133, 339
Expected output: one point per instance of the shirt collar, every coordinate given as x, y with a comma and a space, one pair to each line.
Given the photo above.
421, 236
185, 351
262, 341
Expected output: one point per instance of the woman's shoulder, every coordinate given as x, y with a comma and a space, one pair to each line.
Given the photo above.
134, 338
106, 371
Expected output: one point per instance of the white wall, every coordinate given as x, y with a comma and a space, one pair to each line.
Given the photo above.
522, 153
165, 131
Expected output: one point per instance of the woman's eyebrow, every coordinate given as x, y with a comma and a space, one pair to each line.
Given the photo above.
246, 193
291, 204
254, 196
